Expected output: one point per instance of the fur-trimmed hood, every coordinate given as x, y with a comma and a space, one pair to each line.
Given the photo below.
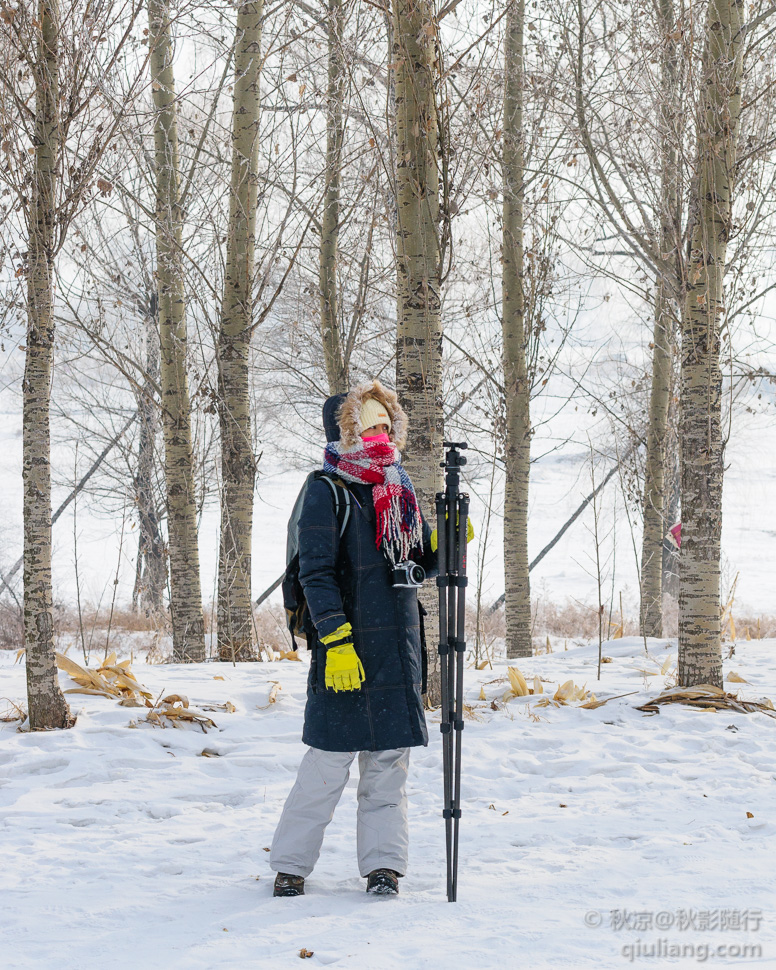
349, 414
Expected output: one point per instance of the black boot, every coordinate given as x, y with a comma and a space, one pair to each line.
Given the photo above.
383, 882
287, 884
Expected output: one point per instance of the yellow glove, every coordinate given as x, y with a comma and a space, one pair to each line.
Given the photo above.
434, 538
344, 671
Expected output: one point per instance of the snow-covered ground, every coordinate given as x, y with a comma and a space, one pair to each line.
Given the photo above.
587, 837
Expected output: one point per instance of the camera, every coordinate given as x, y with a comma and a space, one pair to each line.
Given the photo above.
408, 574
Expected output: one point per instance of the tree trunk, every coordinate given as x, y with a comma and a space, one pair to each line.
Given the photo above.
336, 366
672, 490
151, 575
517, 441
419, 319
651, 618
238, 466
185, 593
700, 657
46, 702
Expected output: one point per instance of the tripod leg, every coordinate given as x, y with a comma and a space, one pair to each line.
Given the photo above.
460, 651
445, 682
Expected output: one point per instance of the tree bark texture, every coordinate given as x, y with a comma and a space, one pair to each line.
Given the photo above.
46, 703
336, 365
238, 465
672, 488
517, 391
151, 574
655, 526
700, 658
651, 618
419, 319
185, 591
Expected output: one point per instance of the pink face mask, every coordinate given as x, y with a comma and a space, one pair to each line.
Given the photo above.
382, 438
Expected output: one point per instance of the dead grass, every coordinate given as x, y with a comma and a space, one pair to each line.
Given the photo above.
271, 630
150, 636
124, 620
574, 619
11, 626
10, 711
752, 627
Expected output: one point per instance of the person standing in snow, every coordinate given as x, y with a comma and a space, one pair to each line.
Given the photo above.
367, 666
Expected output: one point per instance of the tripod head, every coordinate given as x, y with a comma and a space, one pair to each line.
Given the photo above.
453, 458
454, 461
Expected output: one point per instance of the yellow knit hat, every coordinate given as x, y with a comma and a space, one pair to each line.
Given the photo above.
372, 413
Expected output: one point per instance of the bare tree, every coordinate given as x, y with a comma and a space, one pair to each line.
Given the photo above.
418, 253
51, 56
47, 706
185, 592
700, 655
336, 364
517, 387
657, 461
151, 572
235, 616
636, 91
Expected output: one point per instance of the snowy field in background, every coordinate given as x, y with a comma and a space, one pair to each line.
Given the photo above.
128, 848
559, 483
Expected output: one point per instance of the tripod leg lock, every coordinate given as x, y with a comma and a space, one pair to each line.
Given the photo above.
459, 646
458, 725
446, 727
444, 581
451, 813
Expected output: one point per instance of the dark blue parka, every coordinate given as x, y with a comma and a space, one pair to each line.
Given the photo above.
349, 579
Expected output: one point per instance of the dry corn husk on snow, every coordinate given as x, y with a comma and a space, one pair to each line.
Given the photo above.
709, 698
735, 678
273, 695
174, 711
115, 679
112, 679
568, 693
518, 686
662, 668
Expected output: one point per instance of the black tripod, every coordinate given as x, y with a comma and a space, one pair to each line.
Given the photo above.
452, 507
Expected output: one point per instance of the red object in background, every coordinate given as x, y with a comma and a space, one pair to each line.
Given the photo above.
676, 534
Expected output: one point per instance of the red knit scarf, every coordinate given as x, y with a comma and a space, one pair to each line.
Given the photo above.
399, 524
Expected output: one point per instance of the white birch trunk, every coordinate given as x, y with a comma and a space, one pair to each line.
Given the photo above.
46, 703
517, 443
238, 465
419, 319
700, 657
185, 592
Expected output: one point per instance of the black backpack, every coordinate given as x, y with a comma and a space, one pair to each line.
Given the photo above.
297, 613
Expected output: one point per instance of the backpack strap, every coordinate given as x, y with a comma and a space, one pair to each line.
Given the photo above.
335, 491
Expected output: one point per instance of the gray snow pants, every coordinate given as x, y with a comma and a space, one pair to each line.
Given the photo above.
381, 828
